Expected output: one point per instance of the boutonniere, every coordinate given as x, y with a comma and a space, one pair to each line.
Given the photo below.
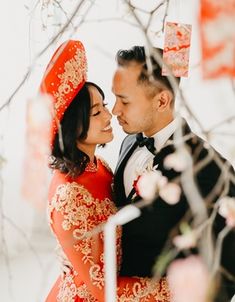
135, 182
150, 183
140, 172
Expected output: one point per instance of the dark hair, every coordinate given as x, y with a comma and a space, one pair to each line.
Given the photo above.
74, 126
137, 54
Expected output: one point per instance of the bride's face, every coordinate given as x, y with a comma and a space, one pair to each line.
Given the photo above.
100, 130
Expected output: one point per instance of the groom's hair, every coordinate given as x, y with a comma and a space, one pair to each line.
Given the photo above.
136, 54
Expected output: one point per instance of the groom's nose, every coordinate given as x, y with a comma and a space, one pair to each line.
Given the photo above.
116, 109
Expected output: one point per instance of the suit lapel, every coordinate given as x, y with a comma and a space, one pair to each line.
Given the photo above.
125, 155
119, 188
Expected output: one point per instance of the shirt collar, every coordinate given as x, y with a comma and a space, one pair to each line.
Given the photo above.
164, 134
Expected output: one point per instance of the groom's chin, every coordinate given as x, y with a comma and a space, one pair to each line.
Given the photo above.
128, 131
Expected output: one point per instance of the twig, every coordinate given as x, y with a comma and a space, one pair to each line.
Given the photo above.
24, 236
221, 133
218, 249
6, 103
142, 10
165, 15
121, 19
3, 240
223, 180
153, 12
227, 120
64, 12
158, 58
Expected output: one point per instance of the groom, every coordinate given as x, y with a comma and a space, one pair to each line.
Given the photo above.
145, 107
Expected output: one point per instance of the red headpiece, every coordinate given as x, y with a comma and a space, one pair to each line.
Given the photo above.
64, 77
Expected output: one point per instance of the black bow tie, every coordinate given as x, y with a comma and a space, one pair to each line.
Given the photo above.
146, 141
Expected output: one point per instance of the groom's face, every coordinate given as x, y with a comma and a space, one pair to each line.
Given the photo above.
134, 108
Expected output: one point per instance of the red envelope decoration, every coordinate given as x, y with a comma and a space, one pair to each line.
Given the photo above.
176, 49
217, 20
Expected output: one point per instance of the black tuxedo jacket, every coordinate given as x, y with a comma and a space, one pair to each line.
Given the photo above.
143, 239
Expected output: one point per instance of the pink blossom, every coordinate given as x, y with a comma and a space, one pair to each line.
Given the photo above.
153, 182
149, 183
188, 280
170, 193
227, 210
39, 111
177, 161
37, 149
185, 241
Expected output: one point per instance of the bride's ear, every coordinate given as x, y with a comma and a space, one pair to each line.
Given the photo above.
163, 100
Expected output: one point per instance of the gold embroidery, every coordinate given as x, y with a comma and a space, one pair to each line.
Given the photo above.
145, 290
97, 275
76, 204
83, 212
67, 290
91, 167
83, 293
74, 73
85, 248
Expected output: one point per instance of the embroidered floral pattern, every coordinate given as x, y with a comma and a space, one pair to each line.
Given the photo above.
80, 209
91, 167
83, 293
85, 248
68, 290
74, 73
82, 213
145, 289
97, 275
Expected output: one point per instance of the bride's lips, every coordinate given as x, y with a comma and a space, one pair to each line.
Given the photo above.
108, 128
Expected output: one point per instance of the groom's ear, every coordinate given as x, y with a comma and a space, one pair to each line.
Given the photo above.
163, 100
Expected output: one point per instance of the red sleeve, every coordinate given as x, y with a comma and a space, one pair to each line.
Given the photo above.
74, 214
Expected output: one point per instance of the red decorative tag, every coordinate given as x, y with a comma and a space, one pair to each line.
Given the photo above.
176, 49
217, 20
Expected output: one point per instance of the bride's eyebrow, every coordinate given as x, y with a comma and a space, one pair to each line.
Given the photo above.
94, 105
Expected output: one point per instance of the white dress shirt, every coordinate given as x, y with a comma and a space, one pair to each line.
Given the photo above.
141, 157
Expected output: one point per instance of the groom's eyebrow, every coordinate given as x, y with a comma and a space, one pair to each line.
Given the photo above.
121, 96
